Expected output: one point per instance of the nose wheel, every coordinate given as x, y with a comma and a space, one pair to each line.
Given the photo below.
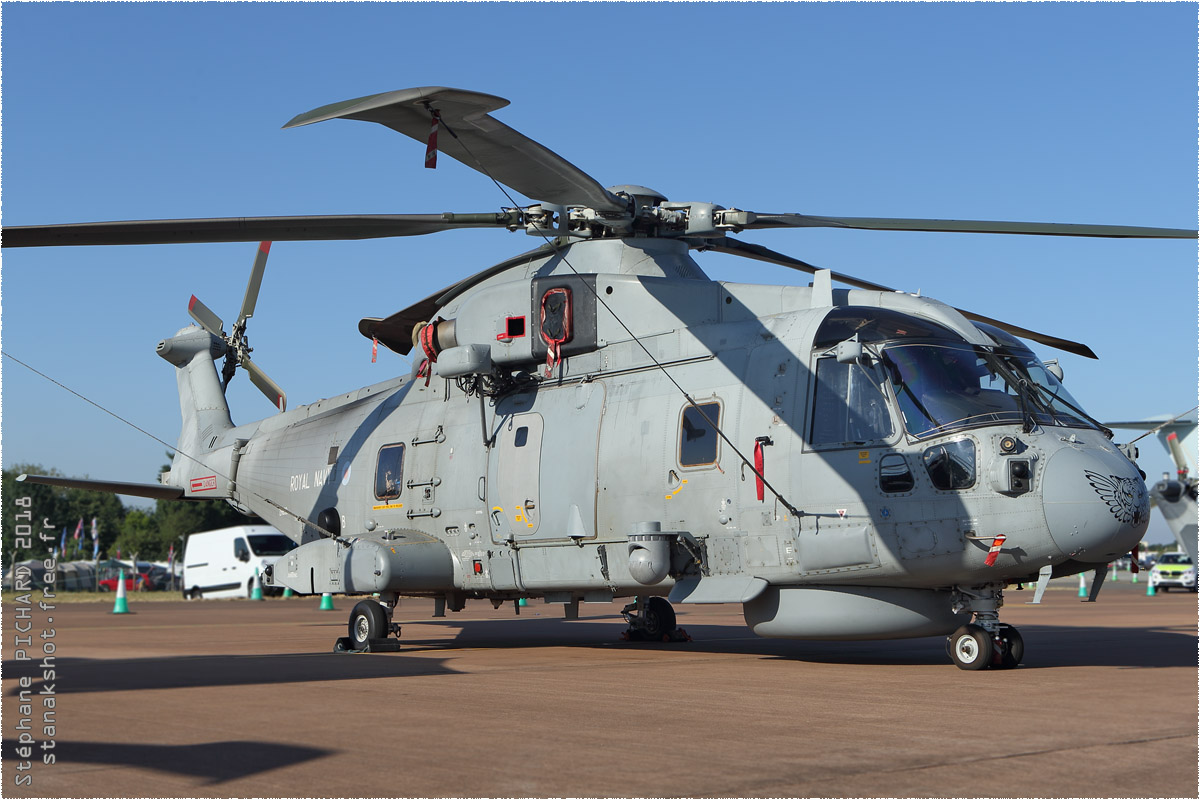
972, 647
652, 619
986, 642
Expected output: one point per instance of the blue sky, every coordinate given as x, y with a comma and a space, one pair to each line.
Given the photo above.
1048, 111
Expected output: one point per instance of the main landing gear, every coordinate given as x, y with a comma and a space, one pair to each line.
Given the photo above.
987, 642
652, 619
371, 627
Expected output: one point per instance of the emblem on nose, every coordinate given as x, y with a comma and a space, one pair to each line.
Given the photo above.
1127, 498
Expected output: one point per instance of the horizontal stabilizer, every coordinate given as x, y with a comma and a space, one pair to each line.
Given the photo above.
155, 491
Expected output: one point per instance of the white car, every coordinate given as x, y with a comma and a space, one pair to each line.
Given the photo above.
1173, 570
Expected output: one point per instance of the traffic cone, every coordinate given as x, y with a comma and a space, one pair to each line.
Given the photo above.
287, 592
327, 602
522, 602
1082, 586
121, 606
256, 592
1150, 589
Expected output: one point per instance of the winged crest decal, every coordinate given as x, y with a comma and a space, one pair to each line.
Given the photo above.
1127, 498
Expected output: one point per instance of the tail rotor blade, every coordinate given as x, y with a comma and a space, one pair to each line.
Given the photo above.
205, 317
253, 285
265, 385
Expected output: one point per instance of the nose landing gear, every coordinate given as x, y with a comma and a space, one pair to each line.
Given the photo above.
986, 642
652, 619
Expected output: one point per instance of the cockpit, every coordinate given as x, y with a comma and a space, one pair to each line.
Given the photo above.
936, 381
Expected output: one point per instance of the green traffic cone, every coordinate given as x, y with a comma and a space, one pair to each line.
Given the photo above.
1150, 589
121, 606
1082, 586
256, 592
522, 602
327, 602
1135, 577
287, 592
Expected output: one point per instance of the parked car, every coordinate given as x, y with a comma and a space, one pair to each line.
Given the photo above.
225, 562
135, 581
1173, 570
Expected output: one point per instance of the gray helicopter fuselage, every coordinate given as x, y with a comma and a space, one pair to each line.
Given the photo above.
590, 482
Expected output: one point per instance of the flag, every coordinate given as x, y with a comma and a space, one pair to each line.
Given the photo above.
95, 529
95, 549
79, 529
62, 544
118, 554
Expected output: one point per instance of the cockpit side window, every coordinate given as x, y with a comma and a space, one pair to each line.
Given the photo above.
849, 405
388, 470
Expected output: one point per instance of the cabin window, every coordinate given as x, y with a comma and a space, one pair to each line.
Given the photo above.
240, 551
850, 407
894, 474
388, 470
521, 436
697, 438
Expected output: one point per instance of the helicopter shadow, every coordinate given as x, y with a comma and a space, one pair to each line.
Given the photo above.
215, 762
1046, 647
190, 672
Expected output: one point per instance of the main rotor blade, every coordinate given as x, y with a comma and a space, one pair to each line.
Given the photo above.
205, 316
760, 253
250, 300
756, 220
265, 385
476, 139
250, 229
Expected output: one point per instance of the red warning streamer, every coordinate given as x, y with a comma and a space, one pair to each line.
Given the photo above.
997, 543
759, 466
431, 148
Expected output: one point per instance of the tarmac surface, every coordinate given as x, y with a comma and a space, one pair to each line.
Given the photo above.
247, 699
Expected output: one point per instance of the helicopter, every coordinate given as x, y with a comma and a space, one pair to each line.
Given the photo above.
1174, 496
595, 419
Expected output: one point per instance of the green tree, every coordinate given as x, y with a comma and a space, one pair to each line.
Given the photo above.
59, 508
140, 534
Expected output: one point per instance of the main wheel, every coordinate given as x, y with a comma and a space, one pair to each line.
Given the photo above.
970, 647
658, 618
1014, 647
367, 621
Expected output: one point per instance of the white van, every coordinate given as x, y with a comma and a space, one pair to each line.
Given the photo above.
221, 563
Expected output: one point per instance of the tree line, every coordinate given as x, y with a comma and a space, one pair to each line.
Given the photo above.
147, 532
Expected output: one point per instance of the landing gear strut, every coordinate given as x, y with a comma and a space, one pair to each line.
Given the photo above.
987, 642
652, 619
370, 627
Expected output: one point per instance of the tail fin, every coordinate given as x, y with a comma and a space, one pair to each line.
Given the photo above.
202, 406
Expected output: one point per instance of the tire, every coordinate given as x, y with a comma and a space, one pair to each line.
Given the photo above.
104, 588
195, 594
658, 618
368, 621
970, 648
1014, 650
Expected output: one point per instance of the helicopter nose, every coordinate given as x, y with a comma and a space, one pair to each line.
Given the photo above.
1096, 504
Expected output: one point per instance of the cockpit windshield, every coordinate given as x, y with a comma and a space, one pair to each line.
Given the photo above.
944, 386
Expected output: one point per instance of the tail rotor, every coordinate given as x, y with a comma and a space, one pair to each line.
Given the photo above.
238, 347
